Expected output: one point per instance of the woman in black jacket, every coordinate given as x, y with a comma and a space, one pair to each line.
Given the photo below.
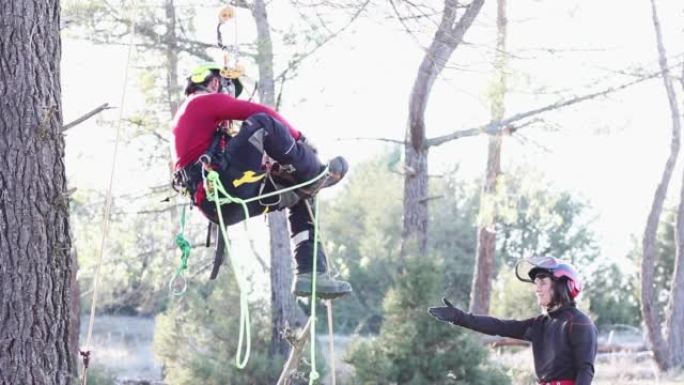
563, 338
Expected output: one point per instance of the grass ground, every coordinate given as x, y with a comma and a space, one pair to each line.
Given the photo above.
610, 369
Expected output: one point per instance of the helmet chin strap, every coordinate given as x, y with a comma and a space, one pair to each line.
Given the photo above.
226, 86
222, 88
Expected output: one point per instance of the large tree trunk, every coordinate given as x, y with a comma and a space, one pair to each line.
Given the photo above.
447, 37
662, 349
284, 309
485, 261
35, 245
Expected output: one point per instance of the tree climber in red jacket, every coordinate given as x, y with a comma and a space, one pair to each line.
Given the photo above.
241, 160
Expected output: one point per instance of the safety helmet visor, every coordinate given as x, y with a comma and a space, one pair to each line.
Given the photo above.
529, 268
526, 269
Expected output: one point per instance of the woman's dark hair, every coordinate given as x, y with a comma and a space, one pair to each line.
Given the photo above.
561, 293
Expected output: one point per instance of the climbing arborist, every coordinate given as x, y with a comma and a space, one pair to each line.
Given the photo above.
563, 338
243, 162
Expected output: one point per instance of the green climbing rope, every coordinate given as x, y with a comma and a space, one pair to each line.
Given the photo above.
212, 179
313, 375
218, 194
185, 247
214, 187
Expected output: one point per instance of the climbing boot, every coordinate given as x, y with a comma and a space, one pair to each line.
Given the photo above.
326, 287
335, 171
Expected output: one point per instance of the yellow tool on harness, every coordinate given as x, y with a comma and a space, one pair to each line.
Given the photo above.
248, 177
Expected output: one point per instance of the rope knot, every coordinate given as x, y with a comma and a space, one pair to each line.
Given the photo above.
182, 243
85, 354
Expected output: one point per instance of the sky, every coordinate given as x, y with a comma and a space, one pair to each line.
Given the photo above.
610, 151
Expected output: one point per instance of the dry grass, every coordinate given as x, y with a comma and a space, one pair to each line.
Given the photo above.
627, 368
610, 368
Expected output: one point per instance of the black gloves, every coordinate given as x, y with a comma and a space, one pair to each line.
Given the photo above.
447, 313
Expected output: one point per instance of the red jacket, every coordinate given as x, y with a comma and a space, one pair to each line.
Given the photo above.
198, 117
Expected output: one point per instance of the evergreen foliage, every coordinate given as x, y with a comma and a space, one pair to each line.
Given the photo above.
413, 348
196, 338
363, 234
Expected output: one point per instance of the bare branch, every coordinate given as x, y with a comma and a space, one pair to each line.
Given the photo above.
160, 137
497, 126
298, 342
375, 139
430, 198
87, 116
294, 63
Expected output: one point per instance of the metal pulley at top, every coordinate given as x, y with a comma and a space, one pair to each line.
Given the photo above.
227, 21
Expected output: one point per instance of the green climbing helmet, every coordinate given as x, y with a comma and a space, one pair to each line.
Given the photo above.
205, 71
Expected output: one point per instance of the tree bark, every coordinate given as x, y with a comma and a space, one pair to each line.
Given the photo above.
35, 244
662, 348
171, 51
448, 36
284, 310
674, 325
485, 261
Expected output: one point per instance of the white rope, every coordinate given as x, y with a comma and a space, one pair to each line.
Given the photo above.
108, 205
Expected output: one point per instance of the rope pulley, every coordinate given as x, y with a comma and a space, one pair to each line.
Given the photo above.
232, 69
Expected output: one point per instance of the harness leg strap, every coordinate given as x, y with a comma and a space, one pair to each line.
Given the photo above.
210, 227
220, 254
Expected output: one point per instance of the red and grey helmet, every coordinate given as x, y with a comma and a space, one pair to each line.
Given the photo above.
530, 267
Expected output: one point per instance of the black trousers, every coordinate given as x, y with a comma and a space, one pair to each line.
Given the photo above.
244, 177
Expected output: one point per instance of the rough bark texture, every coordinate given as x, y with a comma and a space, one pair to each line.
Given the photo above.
485, 261
284, 309
35, 245
448, 36
662, 348
171, 52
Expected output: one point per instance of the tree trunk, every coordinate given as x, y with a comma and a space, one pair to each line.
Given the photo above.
674, 326
661, 348
35, 244
173, 100
414, 238
448, 36
284, 309
485, 261
171, 51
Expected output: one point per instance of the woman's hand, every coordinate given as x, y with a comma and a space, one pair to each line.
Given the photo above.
447, 313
